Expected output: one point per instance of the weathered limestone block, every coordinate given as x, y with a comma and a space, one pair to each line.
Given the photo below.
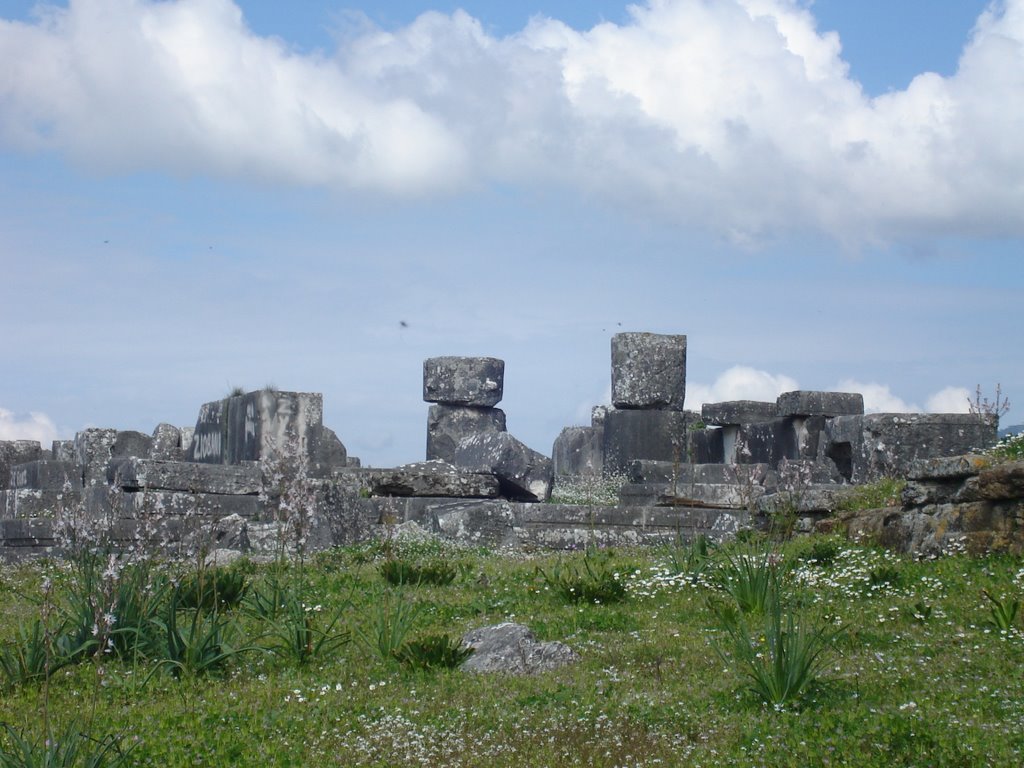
1002, 482
707, 495
648, 371
329, 453
63, 450
948, 467
512, 649
474, 381
866, 448
644, 471
811, 403
166, 443
255, 426
448, 424
147, 474
14, 452
524, 474
579, 451
160, 505
26, 533
736, 412
813, 498
45, 475
643, 434
791, 438
431, 478
93, 452
131, 443
34, 502
706, 446
485, 522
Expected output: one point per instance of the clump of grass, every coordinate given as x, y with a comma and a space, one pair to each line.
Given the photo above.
398, 571
211, 589
438, 651
70, 749
750, 575
1003, 611
885, 492
594, 580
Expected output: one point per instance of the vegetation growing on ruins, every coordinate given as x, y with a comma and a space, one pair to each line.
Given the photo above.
813, 651
885, 492
1010, 448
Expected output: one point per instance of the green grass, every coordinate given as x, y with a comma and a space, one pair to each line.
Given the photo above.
920, 674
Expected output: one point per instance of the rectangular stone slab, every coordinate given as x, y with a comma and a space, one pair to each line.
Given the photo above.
45, 474
812, 403
150, 474
736, 412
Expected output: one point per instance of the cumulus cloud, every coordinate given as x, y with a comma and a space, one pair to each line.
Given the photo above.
738, 115
878, 398
739, 383
38, 426
950, 400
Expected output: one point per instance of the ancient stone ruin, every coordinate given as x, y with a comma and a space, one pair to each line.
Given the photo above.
260, 471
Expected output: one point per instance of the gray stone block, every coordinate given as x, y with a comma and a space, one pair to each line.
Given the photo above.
706, 446
512, 649
131, 443
14, 452
430, 478
736, 412
579, 451
329, 452
45, 475
27, 533
448, 424
63, 450
33, 502
255, 425
166, 443
148, 474
476, 381
666, 473
93, 452
643, 434
811, 403
524, 474
867, 448
648, 371
948, 467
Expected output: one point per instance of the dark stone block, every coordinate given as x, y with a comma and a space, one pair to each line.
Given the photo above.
131, 444
432, 479
45, 475
14, 452
63, 450
736, 412
643, 434
166, 443
148, 474
648, 371
811, 403
524, 474
579, 451
329, 452
93, 451
706, 446
31, 502
448, 424
473, 381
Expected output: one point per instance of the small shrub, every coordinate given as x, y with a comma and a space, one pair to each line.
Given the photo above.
212, 589
784, 659
818, 550
433, 652
596, 582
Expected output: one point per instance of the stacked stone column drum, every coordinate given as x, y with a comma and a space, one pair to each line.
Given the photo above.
466, 430
648, 392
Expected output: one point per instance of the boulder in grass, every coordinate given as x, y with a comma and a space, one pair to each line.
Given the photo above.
513, 649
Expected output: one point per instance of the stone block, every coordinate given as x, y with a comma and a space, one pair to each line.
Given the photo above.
329, 452
148, 474
93, 449
63, 450
524, 474
648, 371
512, 649
33, 502
484, 522
166, 443
158, 505
475, 381
131, 443
14, 452
1002, 482
948, 467
430, 478
579, 451
866, 448
736, 412
27, 533
448, 424
706, 446
643, 434
811, 403
255, 425
45, 475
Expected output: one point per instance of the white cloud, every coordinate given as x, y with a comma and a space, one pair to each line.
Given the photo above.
38, 426
878, 398
739, 383
950, 400
738, 116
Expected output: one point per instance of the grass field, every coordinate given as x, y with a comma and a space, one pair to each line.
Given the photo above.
912, 663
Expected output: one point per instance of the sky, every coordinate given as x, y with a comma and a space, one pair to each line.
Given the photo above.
197, 195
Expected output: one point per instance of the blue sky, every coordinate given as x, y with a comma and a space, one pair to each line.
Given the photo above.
201, 195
